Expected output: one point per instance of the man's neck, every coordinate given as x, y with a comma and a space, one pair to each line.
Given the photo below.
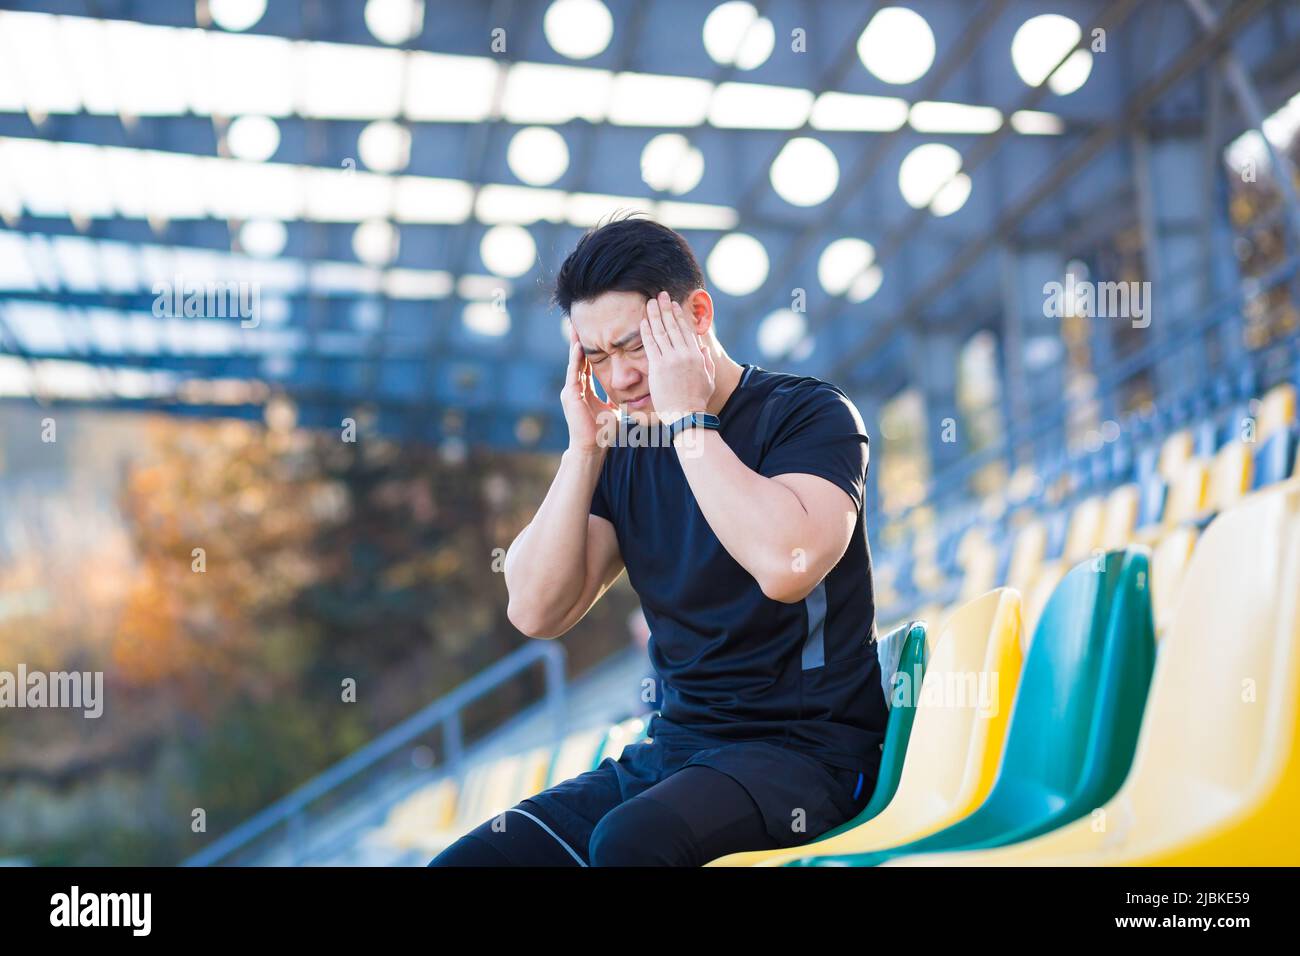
726, 379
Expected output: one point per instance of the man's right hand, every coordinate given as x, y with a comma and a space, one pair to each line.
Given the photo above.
592, 423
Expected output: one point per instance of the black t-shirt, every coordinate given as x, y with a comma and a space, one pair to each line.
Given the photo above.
732, 662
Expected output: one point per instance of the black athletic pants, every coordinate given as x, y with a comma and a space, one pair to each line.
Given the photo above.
695, 815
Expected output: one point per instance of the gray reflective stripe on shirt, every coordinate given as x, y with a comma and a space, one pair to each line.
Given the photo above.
814, 646
554, 835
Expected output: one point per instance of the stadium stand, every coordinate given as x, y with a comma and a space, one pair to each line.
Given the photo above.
1154, 553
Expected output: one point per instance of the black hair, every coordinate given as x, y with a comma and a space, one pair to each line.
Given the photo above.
628, 253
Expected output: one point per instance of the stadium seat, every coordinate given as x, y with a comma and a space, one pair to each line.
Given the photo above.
1185, 501
1169, 563
955, 746
1277, 411
1075, 721
1273, 458
1045, 584
1230, 477
909, 672
579, 752
431, 809
620, 735
1153, 492
1216, 776
533, 771
1175, 452
1120, 517
1026, 556
473, 804
978, 560
1083, 533
502, 788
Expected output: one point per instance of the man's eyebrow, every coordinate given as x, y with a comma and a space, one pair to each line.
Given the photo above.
618, 345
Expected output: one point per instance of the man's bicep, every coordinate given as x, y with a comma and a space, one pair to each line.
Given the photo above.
604, 559
604, 565
830, 515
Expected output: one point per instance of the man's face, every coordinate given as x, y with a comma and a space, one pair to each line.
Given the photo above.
609, 328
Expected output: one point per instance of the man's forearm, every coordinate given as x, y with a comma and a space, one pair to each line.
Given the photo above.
545, 566
759, 521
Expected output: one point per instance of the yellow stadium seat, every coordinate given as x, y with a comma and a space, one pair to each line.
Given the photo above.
1187, 494
926, 573
577, 754
1083, 533
472, 803
1216, 776
1175, 452
978, 559
1230, 476
532, 772
1026, 556
1169, 560
1120, 517
620, 735
1276, 411
955, 749
429, 810
502, 788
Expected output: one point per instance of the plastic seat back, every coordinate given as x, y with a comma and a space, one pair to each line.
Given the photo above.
1026, 555
978, 559
913, 659
1084, 530
1120, 518
1175, 452
1216, 778
501, 787
1083, 689
1077, 713
956, 742
620, 735
1231, 474
577, 754
1277, 412
1169, 562
471, 803
1273, 457
1186, 499
1151, 504
532, 772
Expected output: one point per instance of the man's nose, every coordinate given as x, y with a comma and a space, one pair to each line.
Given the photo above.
625, 374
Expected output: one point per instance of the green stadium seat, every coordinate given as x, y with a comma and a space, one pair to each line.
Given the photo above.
956, 745
907, 678
1076, 717
1216, 777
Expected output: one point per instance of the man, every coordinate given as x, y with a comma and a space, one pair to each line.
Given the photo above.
735, 502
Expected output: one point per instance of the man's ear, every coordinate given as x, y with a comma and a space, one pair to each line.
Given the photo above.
699, 307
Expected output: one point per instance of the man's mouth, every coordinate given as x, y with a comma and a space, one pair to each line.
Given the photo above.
641, 402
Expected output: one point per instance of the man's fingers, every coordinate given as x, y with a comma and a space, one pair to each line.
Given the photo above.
571, 373
656, 321
650, 339
672, 331
684, 326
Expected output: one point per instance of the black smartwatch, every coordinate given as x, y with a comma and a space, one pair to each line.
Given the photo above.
693, 420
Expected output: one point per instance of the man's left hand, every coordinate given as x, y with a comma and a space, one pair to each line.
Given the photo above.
681, 368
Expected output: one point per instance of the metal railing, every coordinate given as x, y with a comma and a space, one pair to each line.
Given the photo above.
290, 811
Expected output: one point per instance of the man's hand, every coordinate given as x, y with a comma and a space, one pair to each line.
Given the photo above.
592, 423
681, 368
